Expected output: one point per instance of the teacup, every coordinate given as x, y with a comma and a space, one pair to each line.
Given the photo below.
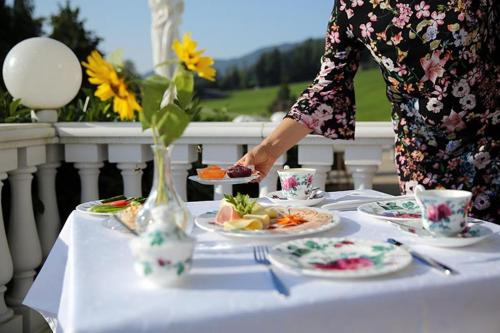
296, 183
444, 212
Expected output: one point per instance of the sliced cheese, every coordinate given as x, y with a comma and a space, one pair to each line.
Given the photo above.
243, 224
264, 218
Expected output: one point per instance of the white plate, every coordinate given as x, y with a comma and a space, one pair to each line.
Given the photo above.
339, 257
224, 181
393, 210
84, 208
475, 232
206, 222
282, 200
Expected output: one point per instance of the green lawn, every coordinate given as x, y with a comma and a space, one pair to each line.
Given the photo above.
371, 101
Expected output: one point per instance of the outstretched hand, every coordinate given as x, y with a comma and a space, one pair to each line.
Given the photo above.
261, 159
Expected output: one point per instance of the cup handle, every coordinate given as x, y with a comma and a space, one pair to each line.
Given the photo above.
419, 189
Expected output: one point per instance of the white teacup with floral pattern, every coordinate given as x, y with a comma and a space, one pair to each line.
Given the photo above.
444, 212
296, 183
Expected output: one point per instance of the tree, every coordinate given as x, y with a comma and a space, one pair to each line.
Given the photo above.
16, 24
283, 101
68, 28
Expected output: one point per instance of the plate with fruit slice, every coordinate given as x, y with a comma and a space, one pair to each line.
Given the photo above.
242, 217
215, 175
110, 206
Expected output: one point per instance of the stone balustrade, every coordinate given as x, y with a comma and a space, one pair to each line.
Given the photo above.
39, 149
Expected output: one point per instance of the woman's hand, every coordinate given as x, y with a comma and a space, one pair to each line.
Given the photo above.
282, 138
261, 158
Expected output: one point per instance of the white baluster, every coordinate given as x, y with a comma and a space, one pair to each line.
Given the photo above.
224, 155
132, 178
89, 179
131, 160
23, 236
48, 221
182, 157
363, 161
9, 322
5, 263
316, 156
88, 160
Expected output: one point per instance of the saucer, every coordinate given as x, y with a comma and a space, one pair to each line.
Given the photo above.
475, 232
277, 197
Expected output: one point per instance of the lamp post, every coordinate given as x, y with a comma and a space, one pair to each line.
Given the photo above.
44, 73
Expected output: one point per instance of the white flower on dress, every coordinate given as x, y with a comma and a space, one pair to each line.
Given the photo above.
461, 88
468, 102
482, 201
388, 63
481, 159
434, 105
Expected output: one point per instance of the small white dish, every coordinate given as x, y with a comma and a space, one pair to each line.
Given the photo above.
277, 197
475, 232
339, 257
223, 181
85, 208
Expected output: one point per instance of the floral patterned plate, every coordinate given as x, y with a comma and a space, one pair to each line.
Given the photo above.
224, 181
278, 198
339, 257
475, 232
319, 220
393, 210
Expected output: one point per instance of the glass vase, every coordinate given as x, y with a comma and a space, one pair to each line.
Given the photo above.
163, 205
163, 251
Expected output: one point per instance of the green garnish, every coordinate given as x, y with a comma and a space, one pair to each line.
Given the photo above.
241, 202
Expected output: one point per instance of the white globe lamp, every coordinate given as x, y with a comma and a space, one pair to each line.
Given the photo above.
44, 73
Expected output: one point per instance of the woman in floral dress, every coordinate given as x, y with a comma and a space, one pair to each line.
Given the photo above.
439, 63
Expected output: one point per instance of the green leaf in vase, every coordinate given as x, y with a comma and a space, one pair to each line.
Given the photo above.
171, 123
153, 89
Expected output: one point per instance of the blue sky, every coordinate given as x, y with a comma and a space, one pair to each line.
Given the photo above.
225, 28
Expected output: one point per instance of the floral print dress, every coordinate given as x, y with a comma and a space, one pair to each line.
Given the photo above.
439, 63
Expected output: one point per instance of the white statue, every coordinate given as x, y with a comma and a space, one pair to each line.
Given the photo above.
165, 20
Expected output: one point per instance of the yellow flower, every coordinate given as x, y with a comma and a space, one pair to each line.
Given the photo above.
193, 59
110, 85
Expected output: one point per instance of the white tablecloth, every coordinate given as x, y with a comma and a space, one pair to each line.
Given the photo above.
89, 285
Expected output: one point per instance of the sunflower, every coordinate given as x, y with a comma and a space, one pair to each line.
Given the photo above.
193, 59
110, 85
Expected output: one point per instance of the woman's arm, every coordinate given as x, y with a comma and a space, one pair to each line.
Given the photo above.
287, 134
326, 107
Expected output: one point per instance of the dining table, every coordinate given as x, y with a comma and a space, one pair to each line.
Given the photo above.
88, 284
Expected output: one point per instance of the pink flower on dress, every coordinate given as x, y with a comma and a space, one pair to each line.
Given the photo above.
422, 10
397, 38
438, 17
366, 29
372, 17
355, 3
453, 122
289, 183
433, 66
405, 13
345, 264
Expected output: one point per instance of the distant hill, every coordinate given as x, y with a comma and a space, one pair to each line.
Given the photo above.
250, 59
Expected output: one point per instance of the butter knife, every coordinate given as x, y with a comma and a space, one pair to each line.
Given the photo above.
425, 259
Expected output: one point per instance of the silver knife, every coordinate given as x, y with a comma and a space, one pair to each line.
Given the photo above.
425, 259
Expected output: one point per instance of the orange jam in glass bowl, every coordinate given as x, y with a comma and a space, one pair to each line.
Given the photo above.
211, 172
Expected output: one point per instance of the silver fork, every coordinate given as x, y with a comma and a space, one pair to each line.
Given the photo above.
260, 254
